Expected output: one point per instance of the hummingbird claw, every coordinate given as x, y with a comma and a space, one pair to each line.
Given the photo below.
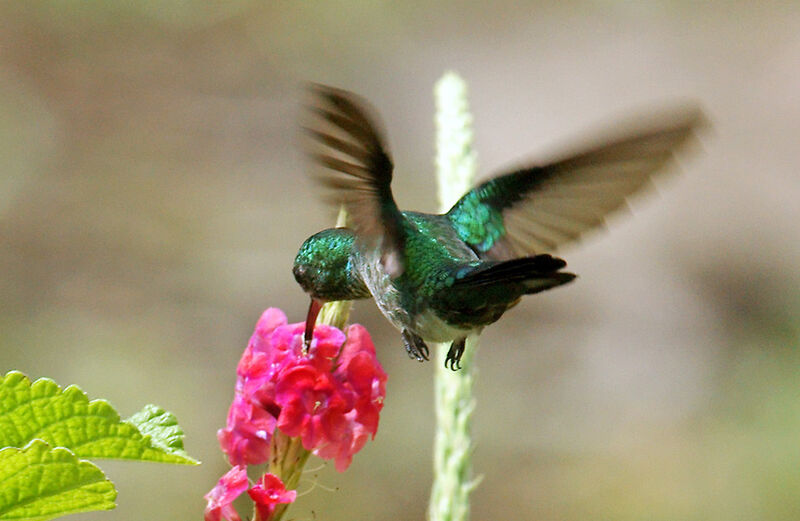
453, 359
415, 346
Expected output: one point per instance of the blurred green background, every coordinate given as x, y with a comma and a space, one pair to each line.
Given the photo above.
152, 198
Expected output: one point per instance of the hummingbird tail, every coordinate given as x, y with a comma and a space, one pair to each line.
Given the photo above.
550, 281
536, 273
481, 296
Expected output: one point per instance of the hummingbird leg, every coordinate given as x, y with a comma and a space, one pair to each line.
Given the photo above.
415, 346
453, 359
311, 320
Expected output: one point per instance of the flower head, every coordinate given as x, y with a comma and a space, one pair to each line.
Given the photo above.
330, 396
220, 498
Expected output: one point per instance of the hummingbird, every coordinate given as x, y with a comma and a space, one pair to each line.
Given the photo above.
444, 277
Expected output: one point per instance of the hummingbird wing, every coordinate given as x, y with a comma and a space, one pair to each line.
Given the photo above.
349, 144
540, 208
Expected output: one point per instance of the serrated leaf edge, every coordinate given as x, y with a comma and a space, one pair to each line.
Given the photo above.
43, 446
75, 393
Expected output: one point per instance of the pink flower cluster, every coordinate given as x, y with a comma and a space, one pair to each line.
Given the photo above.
267, 493
329, 397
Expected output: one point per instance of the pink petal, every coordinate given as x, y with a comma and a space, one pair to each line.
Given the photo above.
268, 492
270, 319
246, 437
220, 498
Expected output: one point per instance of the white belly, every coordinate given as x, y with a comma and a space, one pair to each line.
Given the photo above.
432, 328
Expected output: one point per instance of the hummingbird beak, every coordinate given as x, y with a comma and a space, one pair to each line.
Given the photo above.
311, 320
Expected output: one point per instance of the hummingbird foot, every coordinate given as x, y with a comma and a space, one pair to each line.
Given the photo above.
415, 346
453, 359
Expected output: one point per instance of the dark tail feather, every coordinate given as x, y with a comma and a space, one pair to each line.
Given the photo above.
537, 273
548, 282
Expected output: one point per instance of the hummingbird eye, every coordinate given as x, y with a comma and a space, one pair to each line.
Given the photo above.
299, 272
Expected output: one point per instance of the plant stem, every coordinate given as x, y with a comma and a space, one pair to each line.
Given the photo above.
287, 462
456, 165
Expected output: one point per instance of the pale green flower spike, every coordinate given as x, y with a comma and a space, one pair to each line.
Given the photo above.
337, 313
455, 166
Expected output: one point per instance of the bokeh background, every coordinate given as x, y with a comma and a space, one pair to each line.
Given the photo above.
152, 198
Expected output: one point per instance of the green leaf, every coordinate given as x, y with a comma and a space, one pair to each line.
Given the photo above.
66, 418
40, 482
162, 428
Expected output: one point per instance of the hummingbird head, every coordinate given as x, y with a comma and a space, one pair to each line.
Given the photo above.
324, 266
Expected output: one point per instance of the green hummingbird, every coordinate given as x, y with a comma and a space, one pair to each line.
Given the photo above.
441, 278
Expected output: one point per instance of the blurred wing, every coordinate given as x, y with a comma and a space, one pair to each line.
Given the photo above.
359, 170
538, 209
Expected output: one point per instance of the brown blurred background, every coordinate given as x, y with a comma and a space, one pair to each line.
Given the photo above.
152, 198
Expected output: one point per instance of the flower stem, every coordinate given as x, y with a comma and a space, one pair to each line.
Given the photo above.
456, 165
287, 462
